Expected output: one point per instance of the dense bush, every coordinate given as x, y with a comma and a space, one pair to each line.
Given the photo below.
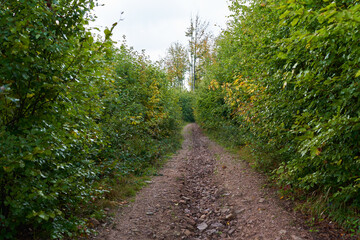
72, 110
287, 77
45, 148
141, 114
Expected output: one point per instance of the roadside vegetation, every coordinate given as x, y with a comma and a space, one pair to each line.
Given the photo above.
285, 82
79, 118
84, 122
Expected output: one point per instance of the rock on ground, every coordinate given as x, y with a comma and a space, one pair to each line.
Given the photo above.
204, 192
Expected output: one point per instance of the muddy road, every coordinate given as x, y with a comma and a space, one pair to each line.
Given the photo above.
204, 192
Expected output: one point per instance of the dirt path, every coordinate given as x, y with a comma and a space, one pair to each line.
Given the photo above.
206, 193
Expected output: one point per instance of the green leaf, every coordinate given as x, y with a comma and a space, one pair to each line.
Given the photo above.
29, 157
282, 55
37, 150
284, 14
357, 74
21, 164
302, 130
295, 21
52, 214
43, 215
107, 33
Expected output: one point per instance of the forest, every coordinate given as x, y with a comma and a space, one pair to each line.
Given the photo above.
82, 116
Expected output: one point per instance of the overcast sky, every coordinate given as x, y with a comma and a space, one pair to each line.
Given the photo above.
154, 24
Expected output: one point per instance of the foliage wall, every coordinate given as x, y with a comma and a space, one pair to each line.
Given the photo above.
141, 114
286, 80
73, 110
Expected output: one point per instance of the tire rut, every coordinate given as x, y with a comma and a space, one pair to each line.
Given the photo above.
206, 215
205, 193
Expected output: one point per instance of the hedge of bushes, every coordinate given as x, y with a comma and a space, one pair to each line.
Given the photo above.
73, 110
286, 81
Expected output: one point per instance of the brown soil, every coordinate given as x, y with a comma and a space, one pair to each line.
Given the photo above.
204, 192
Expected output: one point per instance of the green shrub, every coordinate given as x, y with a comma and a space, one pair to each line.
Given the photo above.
288, 75
141, 114
73, 111
46, 165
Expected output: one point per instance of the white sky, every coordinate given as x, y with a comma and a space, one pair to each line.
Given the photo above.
154, 24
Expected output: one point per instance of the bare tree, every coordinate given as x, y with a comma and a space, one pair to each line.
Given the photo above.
198, 46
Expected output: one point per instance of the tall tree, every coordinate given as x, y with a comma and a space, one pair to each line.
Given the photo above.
176, 64
198, 46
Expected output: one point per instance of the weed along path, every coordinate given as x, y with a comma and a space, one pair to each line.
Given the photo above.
204, 192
